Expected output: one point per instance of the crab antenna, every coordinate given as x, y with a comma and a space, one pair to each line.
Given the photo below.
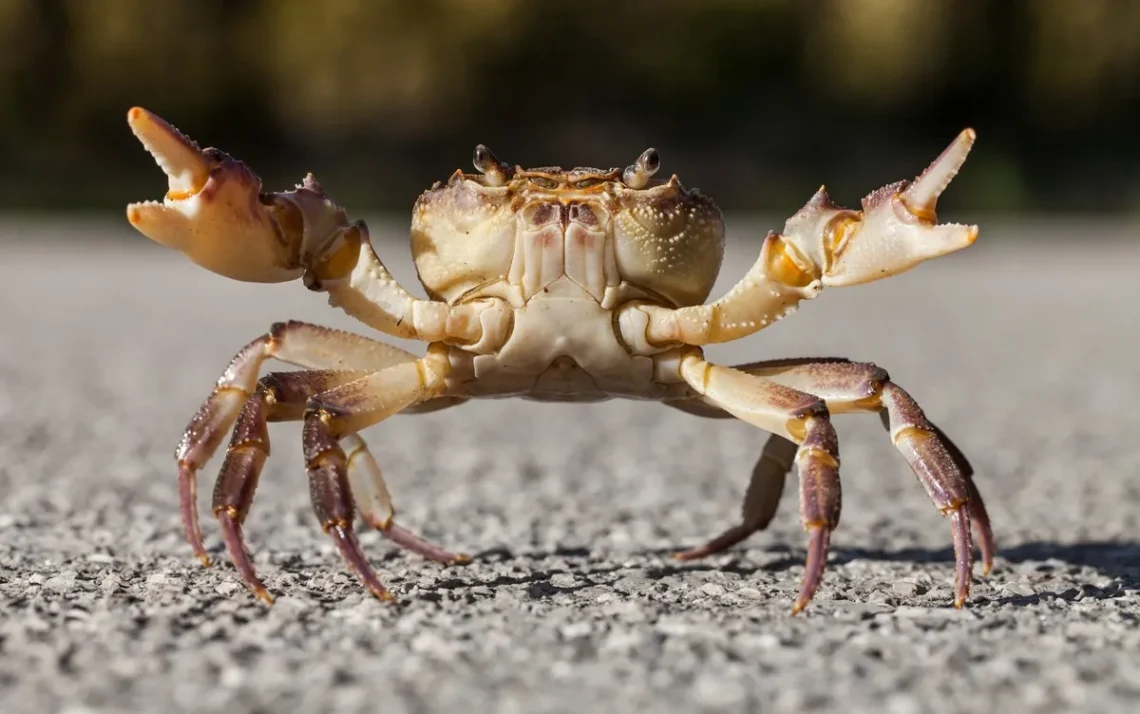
489, 166
922, 195
638, 174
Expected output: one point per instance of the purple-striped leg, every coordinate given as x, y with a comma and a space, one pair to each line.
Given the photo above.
798, 417
295, 343
279, 396
940, 465
282, 396
345, 410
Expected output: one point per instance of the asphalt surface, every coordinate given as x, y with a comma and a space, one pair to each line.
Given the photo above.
1023, 348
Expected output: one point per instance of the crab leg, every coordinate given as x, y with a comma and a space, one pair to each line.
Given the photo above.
939, 464
216, 214
282, 396
279, 396
761, 500
295, 343
796, 416
370, 493
345, 410
825, 245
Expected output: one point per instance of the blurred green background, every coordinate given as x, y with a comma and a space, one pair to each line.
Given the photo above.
757, 102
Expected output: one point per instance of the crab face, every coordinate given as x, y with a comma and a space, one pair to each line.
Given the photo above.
531, 225
212, 211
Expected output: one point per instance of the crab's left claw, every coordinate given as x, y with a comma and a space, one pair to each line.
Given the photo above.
213, 211
895, 231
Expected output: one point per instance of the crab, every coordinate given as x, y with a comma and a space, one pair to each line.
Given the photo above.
546, 284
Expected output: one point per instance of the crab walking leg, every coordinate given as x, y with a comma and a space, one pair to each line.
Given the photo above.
296, 343
345, 410
370, 493
761, 500
978, 514
848, 387
825, 245
279, 396
282, 396
938, 463
796, 416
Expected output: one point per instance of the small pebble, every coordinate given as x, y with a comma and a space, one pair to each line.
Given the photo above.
1019, 589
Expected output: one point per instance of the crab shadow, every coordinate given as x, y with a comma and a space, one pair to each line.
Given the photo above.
1118, 560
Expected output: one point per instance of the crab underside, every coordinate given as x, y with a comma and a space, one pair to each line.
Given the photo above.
547, 284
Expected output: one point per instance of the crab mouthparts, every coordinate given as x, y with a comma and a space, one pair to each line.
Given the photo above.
174, 152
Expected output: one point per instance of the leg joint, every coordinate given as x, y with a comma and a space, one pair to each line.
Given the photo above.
815, 408
877, 377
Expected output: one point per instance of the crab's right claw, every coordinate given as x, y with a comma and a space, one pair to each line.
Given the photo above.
213, 211
896, 230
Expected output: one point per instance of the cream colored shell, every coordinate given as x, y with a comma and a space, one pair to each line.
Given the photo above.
665, 239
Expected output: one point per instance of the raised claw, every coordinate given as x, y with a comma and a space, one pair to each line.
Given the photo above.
213, 211
895, 231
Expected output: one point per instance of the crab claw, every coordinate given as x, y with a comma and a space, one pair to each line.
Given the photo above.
895, 231
212, 212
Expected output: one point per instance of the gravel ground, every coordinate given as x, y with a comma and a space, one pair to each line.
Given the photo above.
1021, 348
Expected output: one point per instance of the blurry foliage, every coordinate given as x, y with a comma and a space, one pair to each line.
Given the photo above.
757, 101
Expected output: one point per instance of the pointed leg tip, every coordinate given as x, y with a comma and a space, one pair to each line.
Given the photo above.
987, 568
968, 135
696, 552
194, 536
959, 602
383, 596
263, 595
800, 605
415, 544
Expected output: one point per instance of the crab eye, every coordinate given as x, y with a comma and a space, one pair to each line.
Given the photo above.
543, 182
637, 175
588, 183
651, 160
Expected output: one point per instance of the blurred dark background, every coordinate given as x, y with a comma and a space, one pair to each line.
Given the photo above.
755, 101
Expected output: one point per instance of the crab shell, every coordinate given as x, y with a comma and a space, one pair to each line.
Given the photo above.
663, 238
